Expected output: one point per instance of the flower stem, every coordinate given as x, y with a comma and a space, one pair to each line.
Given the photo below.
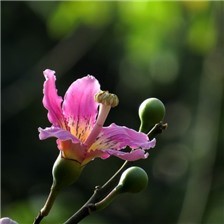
115, 175
108, 199
84, 211
48, 205
157, 129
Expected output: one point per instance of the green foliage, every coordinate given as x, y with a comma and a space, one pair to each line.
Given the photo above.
152, 28
202, 35
71, 14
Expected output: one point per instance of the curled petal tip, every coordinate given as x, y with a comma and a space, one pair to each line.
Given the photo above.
146, 155
90, 76
48, 72
153, 142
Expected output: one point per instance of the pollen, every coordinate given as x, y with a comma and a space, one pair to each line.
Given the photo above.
106, 98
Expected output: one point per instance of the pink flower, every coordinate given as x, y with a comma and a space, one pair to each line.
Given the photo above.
78, 124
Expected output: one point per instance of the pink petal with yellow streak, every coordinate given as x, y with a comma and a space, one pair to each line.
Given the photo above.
79, 106
118, 137
74, 151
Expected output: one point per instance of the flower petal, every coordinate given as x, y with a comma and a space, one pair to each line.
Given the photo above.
118, 137
74, 151
130, 156
51, 100
7, 220
79, 106
92, 155
58, 133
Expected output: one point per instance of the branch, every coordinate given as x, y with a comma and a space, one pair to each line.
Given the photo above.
157, 129
100, 192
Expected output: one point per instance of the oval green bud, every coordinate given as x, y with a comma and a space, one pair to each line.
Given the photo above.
133, 180
65, 172
151, 112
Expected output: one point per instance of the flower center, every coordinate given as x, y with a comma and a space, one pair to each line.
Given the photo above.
106, 101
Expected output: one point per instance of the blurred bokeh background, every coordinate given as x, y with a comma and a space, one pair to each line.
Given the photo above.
169, 50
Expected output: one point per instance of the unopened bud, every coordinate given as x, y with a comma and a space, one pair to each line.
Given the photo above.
107, 98
65, 172
151, 112
133, 180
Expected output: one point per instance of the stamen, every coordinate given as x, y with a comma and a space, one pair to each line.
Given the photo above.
106, 100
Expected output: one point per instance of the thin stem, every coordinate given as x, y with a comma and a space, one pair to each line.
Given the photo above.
107, 200
157, 129
38, 219
115, 175
84, 211
48, 205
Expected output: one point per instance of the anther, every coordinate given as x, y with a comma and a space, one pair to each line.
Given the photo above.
106, 98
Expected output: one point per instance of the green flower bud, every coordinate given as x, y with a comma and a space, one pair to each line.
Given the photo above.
133, 180
65, 172
151, 112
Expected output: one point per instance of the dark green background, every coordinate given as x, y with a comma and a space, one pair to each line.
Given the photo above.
169, 50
